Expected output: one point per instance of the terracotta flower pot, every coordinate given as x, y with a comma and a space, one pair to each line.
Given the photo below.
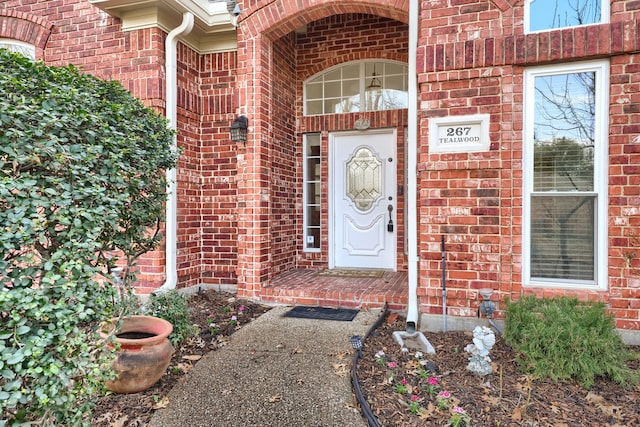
144, 354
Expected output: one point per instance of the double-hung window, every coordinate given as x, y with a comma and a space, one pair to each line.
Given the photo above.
541, 15
565, 175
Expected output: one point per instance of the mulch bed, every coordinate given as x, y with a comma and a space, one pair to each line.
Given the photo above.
505, 398
134, 410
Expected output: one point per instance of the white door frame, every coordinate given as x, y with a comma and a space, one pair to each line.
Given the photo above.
332, 189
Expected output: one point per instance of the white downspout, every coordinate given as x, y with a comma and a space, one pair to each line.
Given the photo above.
171, 59
412, 170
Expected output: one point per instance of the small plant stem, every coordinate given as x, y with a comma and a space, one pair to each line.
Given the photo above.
500, 395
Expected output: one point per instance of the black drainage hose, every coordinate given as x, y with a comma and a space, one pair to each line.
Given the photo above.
372, 420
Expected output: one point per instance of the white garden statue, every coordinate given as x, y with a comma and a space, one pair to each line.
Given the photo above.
483, 341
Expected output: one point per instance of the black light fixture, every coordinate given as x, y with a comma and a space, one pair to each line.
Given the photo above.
356, 344
239, 129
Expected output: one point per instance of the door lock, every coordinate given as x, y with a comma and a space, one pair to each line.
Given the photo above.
390, 223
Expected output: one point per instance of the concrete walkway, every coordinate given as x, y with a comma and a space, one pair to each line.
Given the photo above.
275, 371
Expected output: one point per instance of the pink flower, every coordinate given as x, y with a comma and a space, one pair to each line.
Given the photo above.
392, 365
404, 382
458, 410
433, 380
241, 308
234, 318
414, 398
444, 395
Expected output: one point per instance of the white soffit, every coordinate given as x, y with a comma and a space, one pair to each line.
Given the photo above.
213, 30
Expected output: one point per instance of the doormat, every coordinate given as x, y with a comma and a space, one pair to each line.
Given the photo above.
322, 313
371, 274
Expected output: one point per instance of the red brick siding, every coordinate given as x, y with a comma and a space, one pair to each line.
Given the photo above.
189, 180
624, 191
286, 154
218, 163
468, 65
235, 215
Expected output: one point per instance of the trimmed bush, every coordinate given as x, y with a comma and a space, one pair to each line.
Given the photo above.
564, 338
81, 179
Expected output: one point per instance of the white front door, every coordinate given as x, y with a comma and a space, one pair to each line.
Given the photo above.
362, 207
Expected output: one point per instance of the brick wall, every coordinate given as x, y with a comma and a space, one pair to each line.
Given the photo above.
218, 163
286, 148
240, 215
471, 59
189, 179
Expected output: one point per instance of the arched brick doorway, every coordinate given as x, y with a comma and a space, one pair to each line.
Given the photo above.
278, 48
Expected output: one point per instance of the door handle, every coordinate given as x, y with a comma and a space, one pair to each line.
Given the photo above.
390, 223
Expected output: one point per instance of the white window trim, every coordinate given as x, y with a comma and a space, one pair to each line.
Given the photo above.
601, 133
19, 46
605, 12
363, 81
305, 225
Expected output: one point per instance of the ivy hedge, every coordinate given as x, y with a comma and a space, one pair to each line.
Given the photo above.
81, 179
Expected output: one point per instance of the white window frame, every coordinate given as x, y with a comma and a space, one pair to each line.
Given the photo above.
24, 48
604, 17
363, 81
305, 205
601, 130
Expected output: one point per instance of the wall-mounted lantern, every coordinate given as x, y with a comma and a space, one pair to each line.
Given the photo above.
239, 129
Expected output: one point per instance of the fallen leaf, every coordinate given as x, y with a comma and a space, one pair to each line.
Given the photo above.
162, 403
492, 400
192, 357
413, 364
428, 412
516, 414
275, 398
120, 422
184, 367
602, 404
594, 398
341, 355
341, 369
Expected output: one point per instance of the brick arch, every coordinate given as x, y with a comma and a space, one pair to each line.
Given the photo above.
276, 19
25, 27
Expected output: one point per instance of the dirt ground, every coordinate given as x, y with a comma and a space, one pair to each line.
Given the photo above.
505, 398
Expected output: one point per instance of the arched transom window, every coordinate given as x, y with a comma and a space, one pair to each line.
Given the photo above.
357, 86
26, 49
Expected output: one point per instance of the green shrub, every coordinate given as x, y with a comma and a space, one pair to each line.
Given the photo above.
81, 179
174, 308
564, 338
